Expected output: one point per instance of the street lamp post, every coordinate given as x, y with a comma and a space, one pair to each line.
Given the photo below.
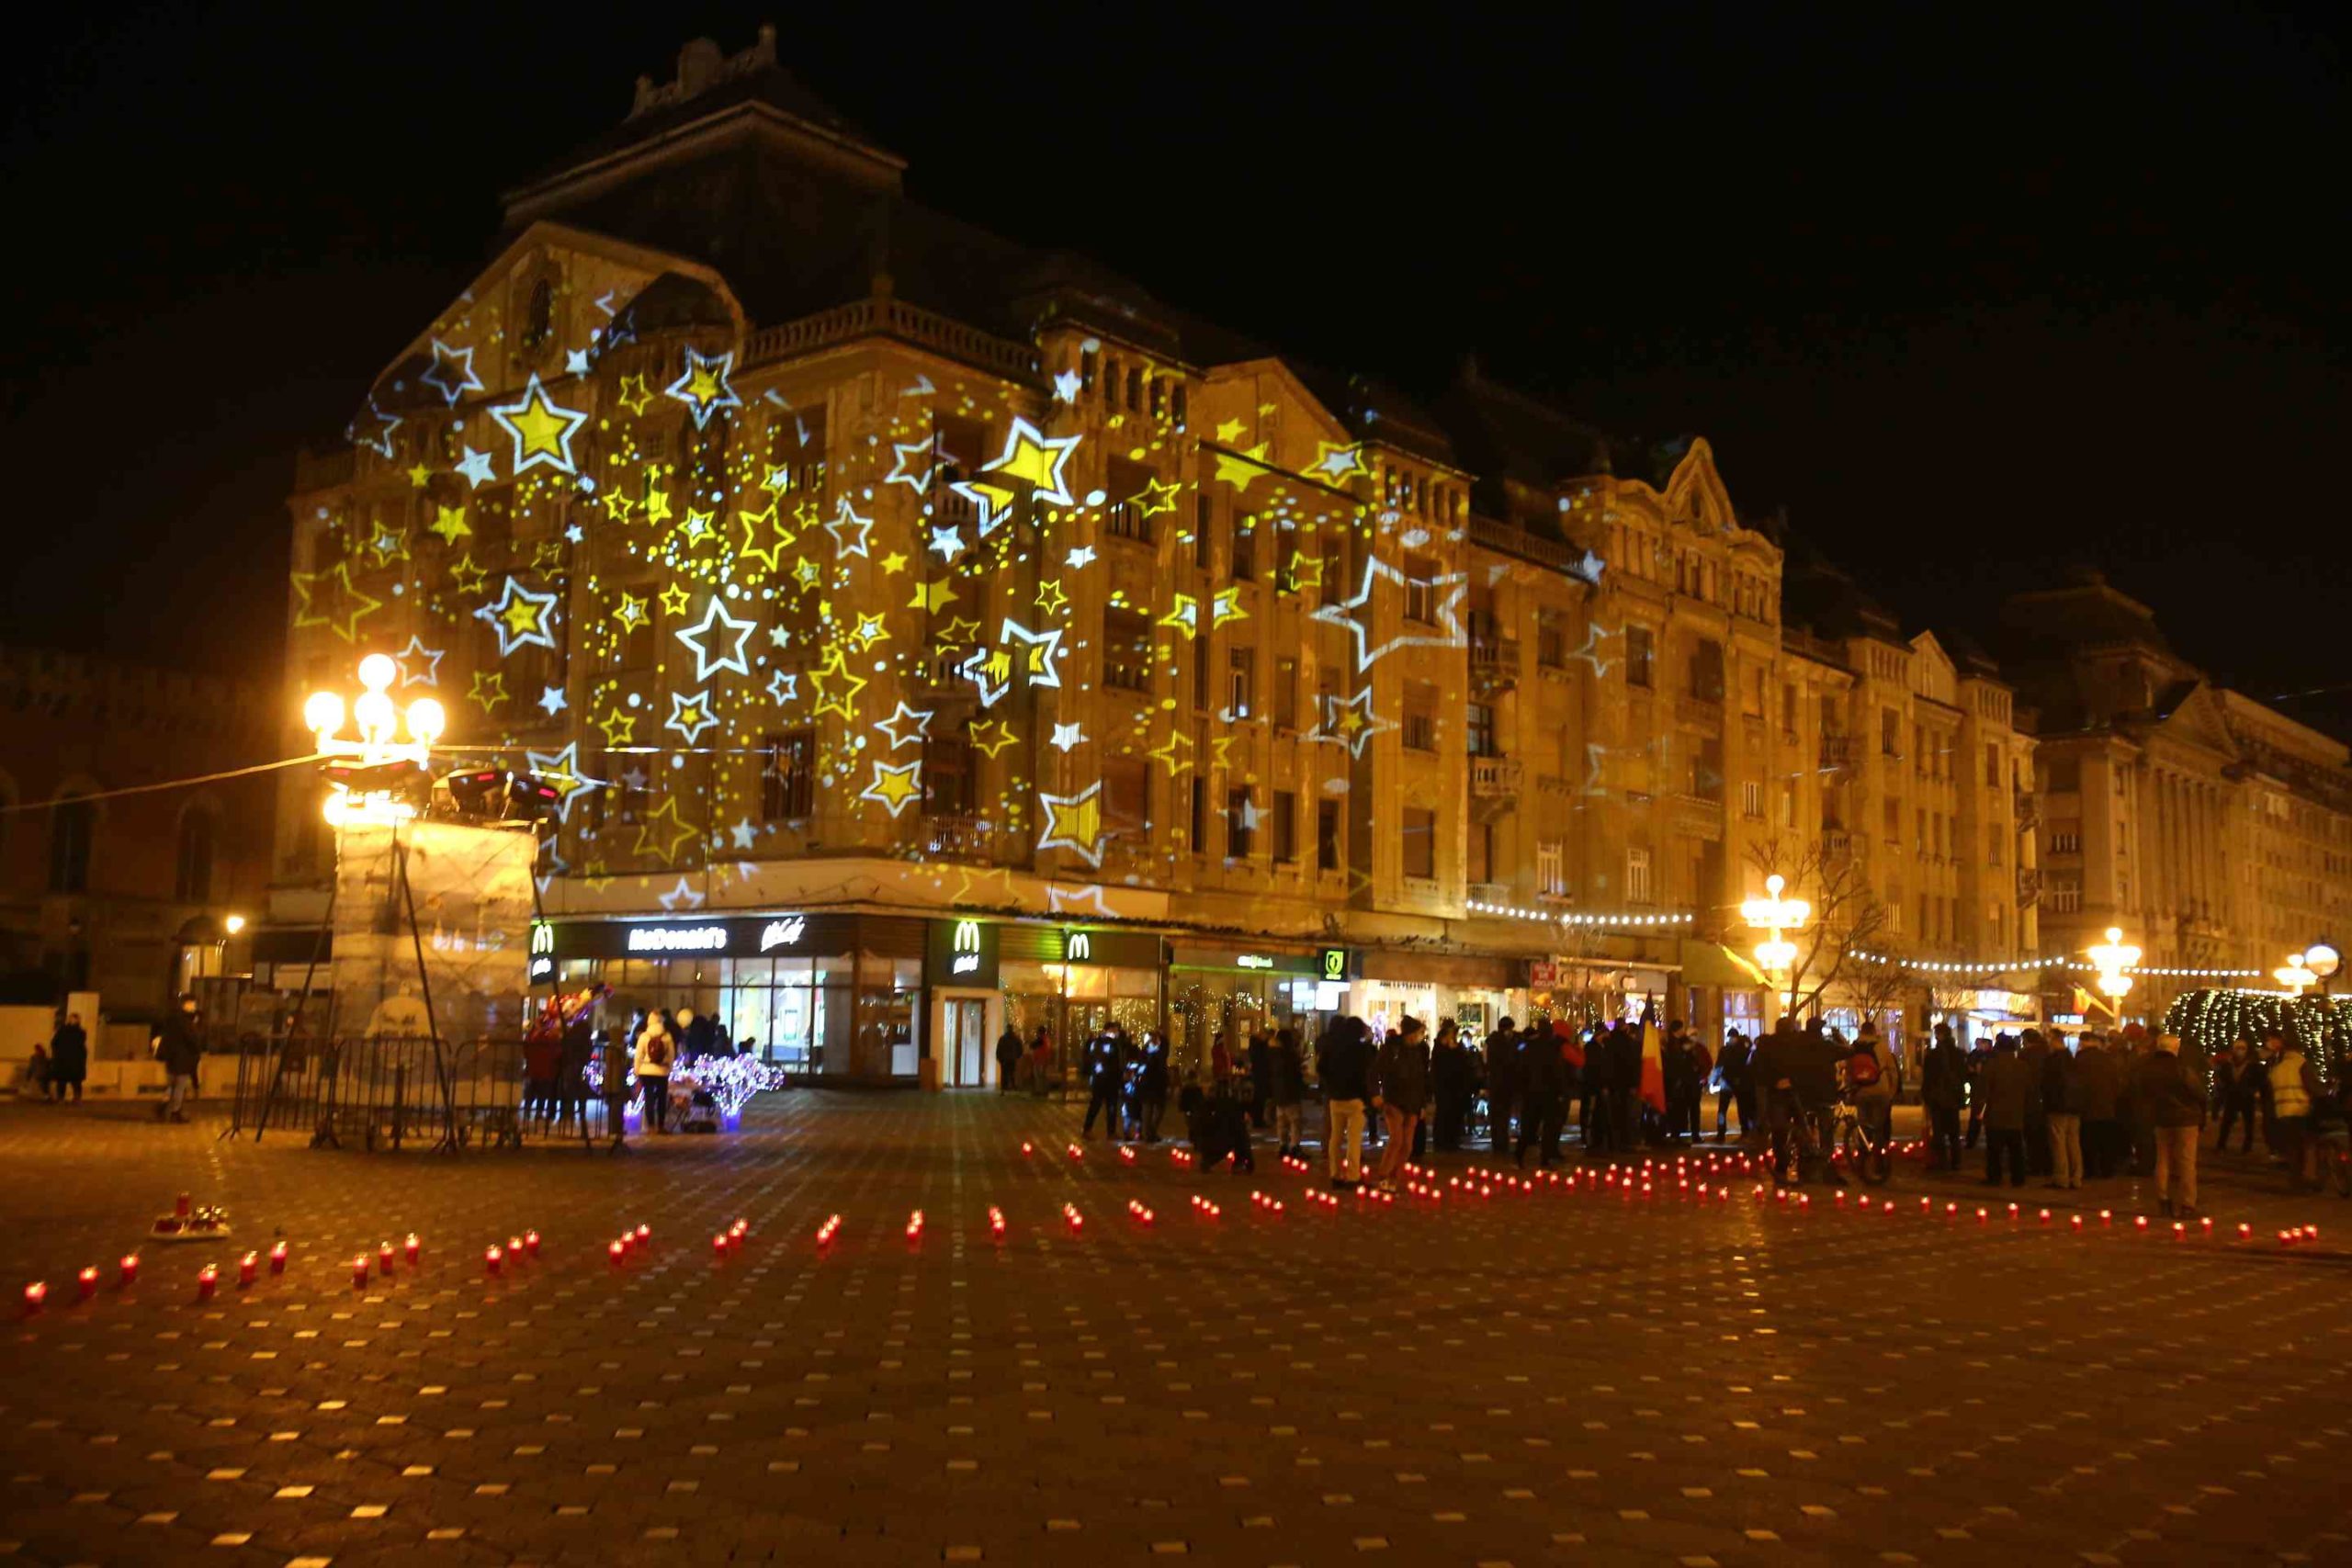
2112, 958
371, 775
2295, 977
1776, 956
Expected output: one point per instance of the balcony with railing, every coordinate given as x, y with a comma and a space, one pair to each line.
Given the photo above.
1702, 714
1493, 664
1698, 816
1494, 786
2026, 806
885, 316
1837, 751
1839, 845
1490, 893
2028, 887
968, 837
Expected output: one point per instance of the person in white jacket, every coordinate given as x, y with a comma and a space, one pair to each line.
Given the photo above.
656, 1049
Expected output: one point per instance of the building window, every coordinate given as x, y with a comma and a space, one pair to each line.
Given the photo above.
1326, 835
1420, 717
72, 823
1992, 764
1135, 388
1240, 681
1245, 550
1200, 815
1130, 485
2065, 841
949, 786
1637, 875
1751, 798
1479, 729
1551, 640
1126, 796
1240, 823
538, 320
1420, 589
1480, 842
1890, 733
1285, 826
1126, 650
1335, 566
192, 884
2065, 896
1420, 844
1638, 652
787, 775
1200, 673
1551, 870
1707, 670
1285, 693
1788, 805
1201, 532
1788, 710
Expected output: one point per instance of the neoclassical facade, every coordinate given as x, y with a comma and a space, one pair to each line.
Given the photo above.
846, 564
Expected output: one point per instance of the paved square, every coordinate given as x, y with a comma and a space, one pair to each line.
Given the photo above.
1586, 1374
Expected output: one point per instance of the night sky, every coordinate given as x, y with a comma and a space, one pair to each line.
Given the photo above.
1977, 295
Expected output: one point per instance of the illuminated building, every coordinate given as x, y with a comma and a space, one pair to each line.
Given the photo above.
129, 896
2214, 829
844, 564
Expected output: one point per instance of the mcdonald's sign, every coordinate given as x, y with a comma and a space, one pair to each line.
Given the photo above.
963, 953
540, 970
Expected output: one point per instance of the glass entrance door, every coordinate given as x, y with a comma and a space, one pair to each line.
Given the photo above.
967, 1045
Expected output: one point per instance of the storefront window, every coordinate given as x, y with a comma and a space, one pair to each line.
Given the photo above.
889, 992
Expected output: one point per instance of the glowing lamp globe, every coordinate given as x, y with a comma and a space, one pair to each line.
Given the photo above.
375, 714
323, 714
2320, 958
427, 721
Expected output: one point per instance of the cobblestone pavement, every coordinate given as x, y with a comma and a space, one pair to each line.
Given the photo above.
1571, 1376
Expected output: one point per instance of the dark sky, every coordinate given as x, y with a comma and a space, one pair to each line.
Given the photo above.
1975, 293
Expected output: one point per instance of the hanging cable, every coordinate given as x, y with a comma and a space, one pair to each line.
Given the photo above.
156, 788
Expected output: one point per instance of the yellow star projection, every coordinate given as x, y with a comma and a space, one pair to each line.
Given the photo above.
327, 599
542, 431
449, 521
765, 539
620, 728
894, 787
836, 688
665, 825
1074, 822
1030, 453
489, 689
991, 735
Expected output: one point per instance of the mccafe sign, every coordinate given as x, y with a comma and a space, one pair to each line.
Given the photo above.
961, 952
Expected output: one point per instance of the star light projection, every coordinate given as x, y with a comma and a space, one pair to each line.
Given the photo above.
671, 583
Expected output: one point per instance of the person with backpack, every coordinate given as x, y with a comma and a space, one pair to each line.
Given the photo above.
2062, 1103
1870, 1077
656, 1049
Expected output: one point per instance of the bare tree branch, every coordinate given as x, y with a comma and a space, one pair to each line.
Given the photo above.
1847, 920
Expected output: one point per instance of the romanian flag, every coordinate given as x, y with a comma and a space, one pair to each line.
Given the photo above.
1652, 1062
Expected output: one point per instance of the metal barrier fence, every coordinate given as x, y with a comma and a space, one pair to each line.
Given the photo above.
350, 1091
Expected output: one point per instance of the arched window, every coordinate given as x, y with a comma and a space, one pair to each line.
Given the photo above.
72, 823
193, 882
540, 319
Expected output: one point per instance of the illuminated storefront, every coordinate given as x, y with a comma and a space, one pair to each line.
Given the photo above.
828, 996
1241, 991
1073, 981
1477, 993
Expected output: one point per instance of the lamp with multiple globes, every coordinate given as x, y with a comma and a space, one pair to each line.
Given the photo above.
1773, 914
2112, 958
2296, 975
375, 775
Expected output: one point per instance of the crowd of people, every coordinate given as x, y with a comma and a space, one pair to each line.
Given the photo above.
2091, 1108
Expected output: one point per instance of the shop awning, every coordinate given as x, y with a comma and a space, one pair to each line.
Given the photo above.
1713, 963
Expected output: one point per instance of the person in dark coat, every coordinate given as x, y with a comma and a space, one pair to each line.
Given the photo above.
178, 1048
1542, 1076
1502, 1085
2235, 1092
2097, 1088
2037, 1115
69, 1059
1107, 1077
1151, 1085
1943, 1089
1592, 1085
1448, 1085
1009, 1052
1401, 1093
1290, 1090
1224, 1133
1624, 1083
2009, 1089
1980, 1056
1261, 1056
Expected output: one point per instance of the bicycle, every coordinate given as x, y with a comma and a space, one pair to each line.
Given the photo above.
1870, 1158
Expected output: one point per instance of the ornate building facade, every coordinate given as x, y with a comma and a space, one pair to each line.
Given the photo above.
927, 633
2215, 831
